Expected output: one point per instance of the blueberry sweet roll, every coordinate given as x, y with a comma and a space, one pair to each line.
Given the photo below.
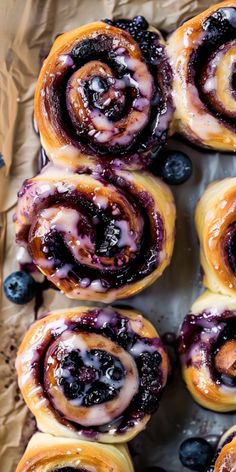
46, 453
98, 236
203, 55
225, 457
215, 219
92, 373
207, 350
104, 94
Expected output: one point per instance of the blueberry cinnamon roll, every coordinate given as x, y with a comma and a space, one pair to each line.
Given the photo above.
103, 94
99, 236
215, 219
203, 53
93, 373
46, 453
207, 350
225, 457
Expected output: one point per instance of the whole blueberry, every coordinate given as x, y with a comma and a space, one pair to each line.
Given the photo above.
195, 453
174, 167
19, 287
140, 22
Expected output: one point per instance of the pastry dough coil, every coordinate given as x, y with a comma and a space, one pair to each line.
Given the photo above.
225, 457
215, 223
101, 235
45, 452
207, 350
92, 373
97, 98
202, 53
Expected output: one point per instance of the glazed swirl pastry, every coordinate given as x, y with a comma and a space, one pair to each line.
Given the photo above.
92, 373
225, 458
215, 220
203, 53
46, 453
207, 350
99, 236
104, 94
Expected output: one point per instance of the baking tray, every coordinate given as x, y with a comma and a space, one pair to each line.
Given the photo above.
26, 31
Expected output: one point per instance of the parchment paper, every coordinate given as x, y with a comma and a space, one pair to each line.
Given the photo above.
27, 29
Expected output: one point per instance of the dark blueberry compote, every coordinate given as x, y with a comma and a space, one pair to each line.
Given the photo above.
100, 240
94, 378
207, 349
229, 247
150, 384
218, 40
121, 111
99, 374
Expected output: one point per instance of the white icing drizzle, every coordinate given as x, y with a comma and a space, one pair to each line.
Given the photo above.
128, 385
127, 237
97, 286
139, 347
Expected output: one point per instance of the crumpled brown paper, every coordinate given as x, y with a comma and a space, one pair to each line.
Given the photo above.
27, 29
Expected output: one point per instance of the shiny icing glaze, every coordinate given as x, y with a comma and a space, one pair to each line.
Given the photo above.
203, 57
93, 371
206, 346
215, 218
224, 458
91, 229
98, 97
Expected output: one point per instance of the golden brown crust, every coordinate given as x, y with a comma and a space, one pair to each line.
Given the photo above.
54, 181
45, 452
215, 213
77, 127
39, 337
198, 362
192, 118
225, 458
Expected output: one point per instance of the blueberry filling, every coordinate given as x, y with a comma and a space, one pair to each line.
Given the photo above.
94, 378
108, 239
229, 247
106, 236
219, 29
97, 377
114, 106
97, 89
220, 348
150, 381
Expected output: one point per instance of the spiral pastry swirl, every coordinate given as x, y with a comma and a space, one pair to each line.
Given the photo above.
203, 53
45, 452
99, 97
225, 457
215, 220
207, 350
99, 236
92, 373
